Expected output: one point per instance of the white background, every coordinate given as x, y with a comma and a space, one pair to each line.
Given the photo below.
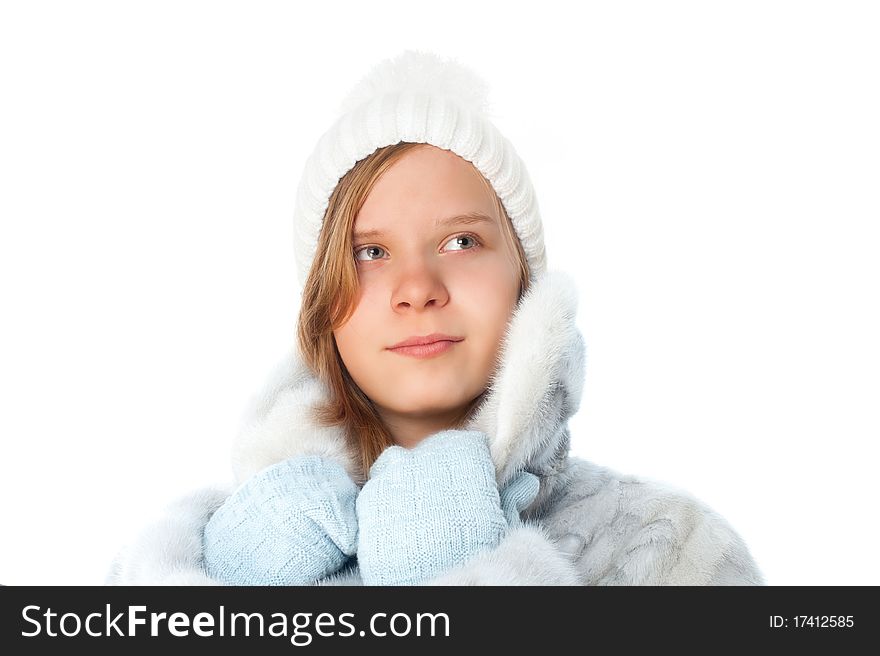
708, 172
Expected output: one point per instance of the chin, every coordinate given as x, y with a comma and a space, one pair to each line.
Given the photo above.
420, 405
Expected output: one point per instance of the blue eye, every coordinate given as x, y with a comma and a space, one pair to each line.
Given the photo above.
367, 248
471, 238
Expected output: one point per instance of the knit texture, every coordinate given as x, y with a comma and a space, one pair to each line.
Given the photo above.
517, 494
427, 509
417, 97
291, 524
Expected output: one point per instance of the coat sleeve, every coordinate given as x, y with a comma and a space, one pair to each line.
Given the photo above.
526, 556
169, 550
711, 553
685, 542
733, 562
629, 530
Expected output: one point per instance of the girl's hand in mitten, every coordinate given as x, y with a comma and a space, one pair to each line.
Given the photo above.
427, 509
292, 523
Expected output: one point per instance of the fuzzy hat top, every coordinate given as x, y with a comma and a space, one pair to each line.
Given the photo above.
417, 97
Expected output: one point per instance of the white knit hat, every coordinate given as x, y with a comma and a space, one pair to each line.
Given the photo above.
422, 98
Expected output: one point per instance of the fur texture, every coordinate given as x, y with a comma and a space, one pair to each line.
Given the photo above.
588, 525
279, 430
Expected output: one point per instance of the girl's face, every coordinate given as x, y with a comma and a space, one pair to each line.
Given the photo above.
422, 272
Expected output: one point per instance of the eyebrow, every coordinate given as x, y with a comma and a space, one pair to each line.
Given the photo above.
467, 219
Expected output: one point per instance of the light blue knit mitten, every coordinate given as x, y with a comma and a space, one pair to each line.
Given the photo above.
427, 509
292, 523
517, 494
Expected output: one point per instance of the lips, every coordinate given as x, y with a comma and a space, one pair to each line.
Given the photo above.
423, 340
422, 351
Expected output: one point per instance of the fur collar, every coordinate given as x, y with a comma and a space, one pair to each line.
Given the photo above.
535, 389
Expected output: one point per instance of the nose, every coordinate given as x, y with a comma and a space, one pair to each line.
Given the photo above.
418, 287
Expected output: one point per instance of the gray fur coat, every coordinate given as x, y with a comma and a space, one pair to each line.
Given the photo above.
589, 525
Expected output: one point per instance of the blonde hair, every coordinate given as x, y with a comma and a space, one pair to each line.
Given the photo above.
330, 297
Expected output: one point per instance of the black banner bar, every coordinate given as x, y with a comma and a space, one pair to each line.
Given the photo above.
325, 619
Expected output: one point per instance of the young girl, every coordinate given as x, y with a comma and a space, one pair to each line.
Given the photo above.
418, 433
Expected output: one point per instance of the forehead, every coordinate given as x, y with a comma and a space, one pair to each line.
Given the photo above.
428, 187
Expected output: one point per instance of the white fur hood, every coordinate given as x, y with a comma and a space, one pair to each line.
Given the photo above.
536, 387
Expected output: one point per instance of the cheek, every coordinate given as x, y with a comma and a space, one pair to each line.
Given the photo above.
489, 312
350, 338
361, 339
491, 296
